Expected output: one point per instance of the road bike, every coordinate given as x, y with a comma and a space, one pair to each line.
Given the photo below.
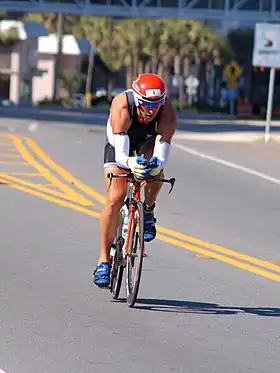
127, 252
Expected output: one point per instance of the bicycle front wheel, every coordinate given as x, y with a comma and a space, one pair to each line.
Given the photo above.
134, 258
117, 262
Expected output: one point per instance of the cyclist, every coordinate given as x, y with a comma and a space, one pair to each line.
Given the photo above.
140, 127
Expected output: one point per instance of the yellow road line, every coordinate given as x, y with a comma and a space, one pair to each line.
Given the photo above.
14, 163
40, 187
169, 232
220, 249
178, 239
53, 199
220, 257
169, 240
69, 192
32, 174
64, 173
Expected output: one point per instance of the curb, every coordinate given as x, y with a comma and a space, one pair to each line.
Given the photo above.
233, 137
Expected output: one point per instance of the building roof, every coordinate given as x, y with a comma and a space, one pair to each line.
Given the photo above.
71, 45
26, 29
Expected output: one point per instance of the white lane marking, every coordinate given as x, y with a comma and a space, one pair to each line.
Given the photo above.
229, 164
32, 128
2, 371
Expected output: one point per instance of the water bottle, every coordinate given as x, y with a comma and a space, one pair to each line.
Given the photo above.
125, 222
113, 250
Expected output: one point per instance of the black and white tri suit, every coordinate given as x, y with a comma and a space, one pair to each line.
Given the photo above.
142, 137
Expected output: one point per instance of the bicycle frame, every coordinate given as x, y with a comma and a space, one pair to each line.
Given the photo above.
136, 196
126, 247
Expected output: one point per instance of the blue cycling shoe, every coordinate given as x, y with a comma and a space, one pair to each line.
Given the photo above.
102, 275
149, 223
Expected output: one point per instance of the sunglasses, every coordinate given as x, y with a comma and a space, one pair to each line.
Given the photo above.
150, 105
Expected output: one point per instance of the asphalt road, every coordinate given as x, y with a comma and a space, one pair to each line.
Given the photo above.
208, 301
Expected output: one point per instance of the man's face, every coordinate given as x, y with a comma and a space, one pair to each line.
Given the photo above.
146, 113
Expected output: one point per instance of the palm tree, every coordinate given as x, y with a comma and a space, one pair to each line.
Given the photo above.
130, 37
210, 47
183, 51
155, 29
50, 21
99, 31
9, 36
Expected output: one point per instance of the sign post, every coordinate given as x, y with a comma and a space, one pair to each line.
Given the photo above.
269, 103
192, 84
233, 72
266, 53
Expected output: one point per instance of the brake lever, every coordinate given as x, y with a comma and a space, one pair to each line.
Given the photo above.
110, 176
172, 182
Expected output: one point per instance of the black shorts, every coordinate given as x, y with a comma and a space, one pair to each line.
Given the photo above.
145, 147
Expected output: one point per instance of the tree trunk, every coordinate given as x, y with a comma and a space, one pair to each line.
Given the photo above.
110, 87
135, 61
90, 71
110, 35
154, 63
201, 72
208, 68
186, 66
182, 94
148, 66
160, 70
140, 66
129, 75
177, 65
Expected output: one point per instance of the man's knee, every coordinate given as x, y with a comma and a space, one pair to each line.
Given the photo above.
115, 201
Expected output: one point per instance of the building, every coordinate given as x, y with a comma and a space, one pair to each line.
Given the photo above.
18, 60
27, 64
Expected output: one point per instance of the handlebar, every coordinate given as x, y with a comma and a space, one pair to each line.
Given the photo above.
130, 175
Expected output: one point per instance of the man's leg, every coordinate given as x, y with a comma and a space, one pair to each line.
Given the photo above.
152, 190
109, 221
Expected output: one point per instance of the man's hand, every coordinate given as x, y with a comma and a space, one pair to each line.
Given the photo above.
138, 166
157, 166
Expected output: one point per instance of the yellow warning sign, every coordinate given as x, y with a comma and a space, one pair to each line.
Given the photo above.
233, 70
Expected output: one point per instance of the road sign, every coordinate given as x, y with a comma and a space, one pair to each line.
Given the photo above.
233, 70
266, 53
266, 50
192, 82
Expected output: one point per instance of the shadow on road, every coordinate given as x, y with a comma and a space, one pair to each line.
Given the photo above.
180, 306
98, 116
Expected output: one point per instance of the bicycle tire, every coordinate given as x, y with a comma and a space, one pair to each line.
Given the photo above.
117, 265
132, 289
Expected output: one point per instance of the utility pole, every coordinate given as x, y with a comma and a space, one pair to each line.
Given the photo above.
110, 36
89, 76
58, 56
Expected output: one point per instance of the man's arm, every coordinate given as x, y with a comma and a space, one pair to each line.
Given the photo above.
166, 129
119, 119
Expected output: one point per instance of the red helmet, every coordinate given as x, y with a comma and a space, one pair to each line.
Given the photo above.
149, 90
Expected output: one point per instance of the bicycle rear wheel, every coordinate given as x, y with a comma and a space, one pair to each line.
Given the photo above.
134, 258
117, 262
